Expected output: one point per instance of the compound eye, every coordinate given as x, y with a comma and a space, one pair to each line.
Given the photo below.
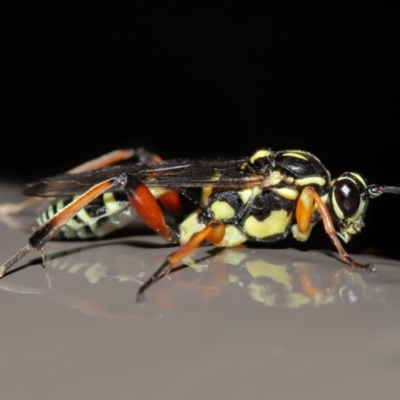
347, 196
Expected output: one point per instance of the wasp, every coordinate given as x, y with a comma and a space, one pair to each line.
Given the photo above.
261, 198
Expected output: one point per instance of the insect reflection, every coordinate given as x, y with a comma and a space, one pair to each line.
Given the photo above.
241, 275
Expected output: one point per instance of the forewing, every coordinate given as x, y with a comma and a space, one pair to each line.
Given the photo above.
172, 174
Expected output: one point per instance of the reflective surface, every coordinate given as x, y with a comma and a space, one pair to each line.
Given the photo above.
236, 323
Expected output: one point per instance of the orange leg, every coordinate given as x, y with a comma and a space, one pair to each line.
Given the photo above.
304, 209
139, 195
214, 232
147, 207
45, 232
171, 201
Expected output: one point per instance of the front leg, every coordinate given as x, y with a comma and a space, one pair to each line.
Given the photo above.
304, 210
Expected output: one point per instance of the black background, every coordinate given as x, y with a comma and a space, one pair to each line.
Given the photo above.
205, 79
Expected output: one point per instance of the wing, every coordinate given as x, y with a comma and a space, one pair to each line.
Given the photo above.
174, 174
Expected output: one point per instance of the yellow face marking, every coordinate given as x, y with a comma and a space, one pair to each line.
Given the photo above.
276, 223
260, 154
360, 178
336, 208
247, 194
190, 226
316, 180
222, 210
287, 193
295, 154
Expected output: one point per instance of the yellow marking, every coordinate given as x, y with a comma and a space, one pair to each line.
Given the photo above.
207, 190
72, 223
60, 205
278, 273
301, 236
260, 154
50, 212
358, 214
110, 202
295, 154
344, 235
351, 230
158, 191
246, 194
287, 193
84, 216
233, 237
288, 179
276, 223
190, 226
273, 179
324, 198
317, 180
205, 195
222, 210
336, 208
360, 178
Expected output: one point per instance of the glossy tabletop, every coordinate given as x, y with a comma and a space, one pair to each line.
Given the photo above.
238, 323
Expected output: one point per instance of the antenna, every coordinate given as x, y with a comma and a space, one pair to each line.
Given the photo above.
377, 190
